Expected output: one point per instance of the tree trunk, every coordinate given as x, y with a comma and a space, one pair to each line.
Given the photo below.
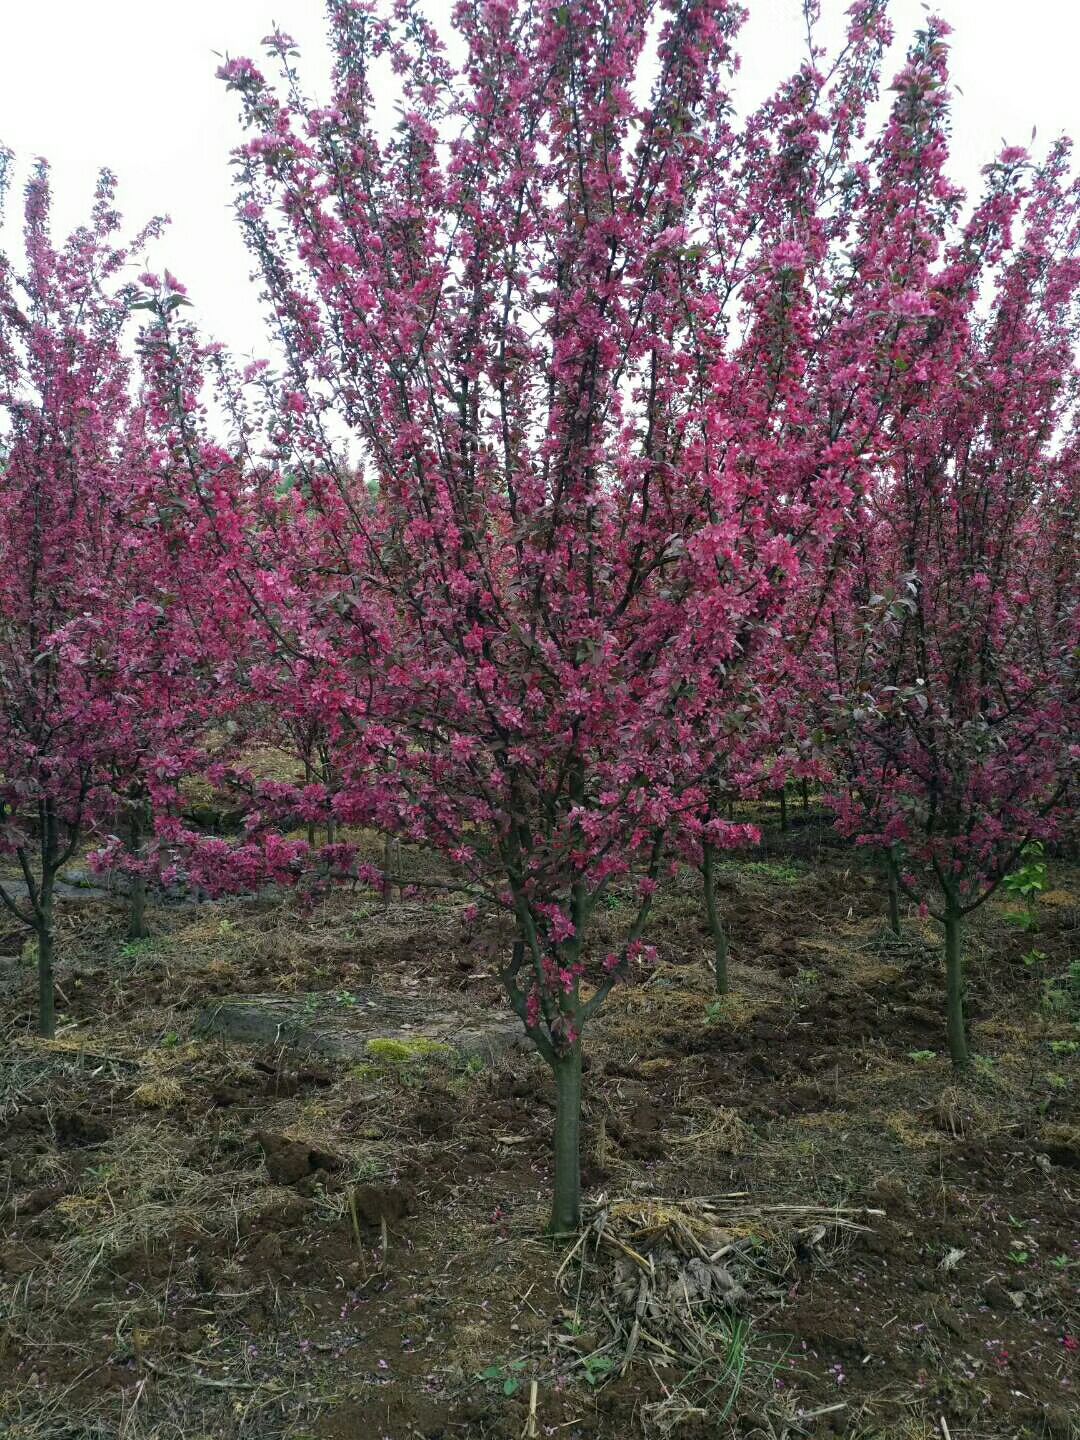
954, 989
326, 774
45, 942
388, 855
783, 808
137, 927
805, 794
309, 777
566, 1205
894, 894
715, 922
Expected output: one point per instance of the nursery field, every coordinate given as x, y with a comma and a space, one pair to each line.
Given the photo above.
798, 1220
539, 868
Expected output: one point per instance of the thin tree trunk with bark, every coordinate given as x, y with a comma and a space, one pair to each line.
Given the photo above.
715, 922
388, 855
137, 926
309, 778
46, 940
893, 881
566, 1202
42, 907
954, 986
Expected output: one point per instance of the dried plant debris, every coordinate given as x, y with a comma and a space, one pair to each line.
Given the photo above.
676, 1285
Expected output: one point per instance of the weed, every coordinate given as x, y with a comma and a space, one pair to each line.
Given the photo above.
1061, 994
597, 1367
366, 1169
806, 981
730, 1339
507, 1378
1026, 884
135, 949
468, 1072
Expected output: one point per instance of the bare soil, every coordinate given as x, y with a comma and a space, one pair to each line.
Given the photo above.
204, 1238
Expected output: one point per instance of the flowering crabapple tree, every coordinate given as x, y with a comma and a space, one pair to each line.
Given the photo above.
548, 346
81, 658
848, 223
249, 688
951, 645
496, 316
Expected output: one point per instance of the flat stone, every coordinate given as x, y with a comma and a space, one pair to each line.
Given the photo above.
342, 1025
76, 886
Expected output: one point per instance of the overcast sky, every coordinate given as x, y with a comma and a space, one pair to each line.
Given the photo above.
130, 84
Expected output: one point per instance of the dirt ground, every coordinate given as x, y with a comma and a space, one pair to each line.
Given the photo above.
201, 1239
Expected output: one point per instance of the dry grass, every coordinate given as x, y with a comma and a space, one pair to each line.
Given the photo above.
153, 1188
138, 1195
160, 1093
673, 1282
680, 999
717, 1130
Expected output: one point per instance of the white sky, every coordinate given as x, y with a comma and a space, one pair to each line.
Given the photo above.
130, 84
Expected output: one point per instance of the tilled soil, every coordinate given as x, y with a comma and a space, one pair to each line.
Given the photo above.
202, 1238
